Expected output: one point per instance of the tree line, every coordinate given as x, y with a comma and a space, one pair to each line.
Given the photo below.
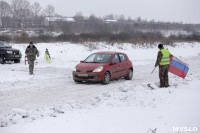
21, 16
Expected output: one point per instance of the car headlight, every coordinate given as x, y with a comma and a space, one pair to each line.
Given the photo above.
20, 52
99, 69
9, 52
74, 69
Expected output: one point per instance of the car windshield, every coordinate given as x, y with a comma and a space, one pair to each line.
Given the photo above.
98, 58
4, 44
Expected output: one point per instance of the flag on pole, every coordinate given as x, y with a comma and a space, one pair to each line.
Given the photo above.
178, 67
46, 56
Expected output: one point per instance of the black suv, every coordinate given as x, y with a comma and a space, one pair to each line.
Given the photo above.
7, 53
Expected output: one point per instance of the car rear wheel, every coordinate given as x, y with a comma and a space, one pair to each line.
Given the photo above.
130, 75
106, 78
2, 61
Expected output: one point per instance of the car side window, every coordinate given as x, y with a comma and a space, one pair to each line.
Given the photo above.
122, 57
115, 59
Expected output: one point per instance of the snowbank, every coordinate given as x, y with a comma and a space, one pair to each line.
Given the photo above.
51, 102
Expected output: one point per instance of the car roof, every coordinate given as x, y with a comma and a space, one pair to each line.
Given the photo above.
108, 52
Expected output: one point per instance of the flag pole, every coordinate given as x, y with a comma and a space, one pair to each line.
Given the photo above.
153, 70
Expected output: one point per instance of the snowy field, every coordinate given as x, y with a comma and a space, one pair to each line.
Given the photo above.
50, 101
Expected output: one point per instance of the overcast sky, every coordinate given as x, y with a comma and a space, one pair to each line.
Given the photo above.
162, 10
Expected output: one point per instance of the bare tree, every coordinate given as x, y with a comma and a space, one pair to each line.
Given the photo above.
109, 17
20, 11
66, 28
79, 17
93, 24
19, 5
36, 8
80, 25
5, 11
138, 19
121, 19
49, 11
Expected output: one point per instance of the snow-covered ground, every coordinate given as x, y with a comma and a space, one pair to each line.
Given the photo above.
50, 102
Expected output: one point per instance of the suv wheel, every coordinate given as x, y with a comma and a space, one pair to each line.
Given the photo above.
17, 61
106, 78
2, 61
130, 75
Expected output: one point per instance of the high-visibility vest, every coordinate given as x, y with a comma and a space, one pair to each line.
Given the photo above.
165, 60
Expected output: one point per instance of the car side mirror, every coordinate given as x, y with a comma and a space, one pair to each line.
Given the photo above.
114, 63
81, 61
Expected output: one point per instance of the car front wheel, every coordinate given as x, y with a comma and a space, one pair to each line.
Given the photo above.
2, 61
106, 78
77, 81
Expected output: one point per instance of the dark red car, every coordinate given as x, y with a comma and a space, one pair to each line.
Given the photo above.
103, 67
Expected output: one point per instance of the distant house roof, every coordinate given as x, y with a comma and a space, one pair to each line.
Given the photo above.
54, 19
109, 21
68, 19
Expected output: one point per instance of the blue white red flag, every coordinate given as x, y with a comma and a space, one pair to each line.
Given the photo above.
178, 67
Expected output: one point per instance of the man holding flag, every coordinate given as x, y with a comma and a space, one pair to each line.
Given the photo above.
163, 61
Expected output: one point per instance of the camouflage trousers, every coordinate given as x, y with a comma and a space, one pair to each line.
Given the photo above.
163, 75
31, 65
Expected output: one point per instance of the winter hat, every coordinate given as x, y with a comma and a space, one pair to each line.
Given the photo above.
160, 46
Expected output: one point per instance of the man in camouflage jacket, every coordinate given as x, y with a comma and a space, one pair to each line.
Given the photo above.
163, 61
31, 52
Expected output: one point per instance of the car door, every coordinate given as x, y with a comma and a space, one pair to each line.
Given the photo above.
115, 67
123, 64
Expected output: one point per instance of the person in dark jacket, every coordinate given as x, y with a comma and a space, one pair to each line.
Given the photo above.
163, 61
31, 52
